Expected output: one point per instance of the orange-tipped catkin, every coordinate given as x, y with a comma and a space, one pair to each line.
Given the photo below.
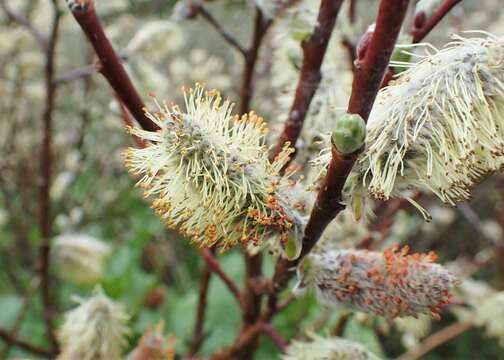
389, 283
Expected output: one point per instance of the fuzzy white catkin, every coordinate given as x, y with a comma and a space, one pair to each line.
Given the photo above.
212, 178
388, 284
79, 258
95, 330
439, 126
332, 348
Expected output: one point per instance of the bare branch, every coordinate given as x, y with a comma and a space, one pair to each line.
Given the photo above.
45, 219
198, 332
218, 27
216, 268
420, 33
111, 66
437, 339
314, 49
21, 315
278, 339
25, 345
261, 26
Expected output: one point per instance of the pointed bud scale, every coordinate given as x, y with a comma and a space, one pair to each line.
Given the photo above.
388, 284
349, 133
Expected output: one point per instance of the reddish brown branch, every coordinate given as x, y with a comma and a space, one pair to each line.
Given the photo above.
327, 206
371, 68
45, 220
216, 268
198, 333
278, 339
218, 27
368, 75
314, 49
261, 26
420, 33
25, 345
111, 66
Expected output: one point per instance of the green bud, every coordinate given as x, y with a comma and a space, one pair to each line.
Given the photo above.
292, 247
349, 133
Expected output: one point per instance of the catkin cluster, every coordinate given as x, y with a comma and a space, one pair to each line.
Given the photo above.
388, 284
210, 176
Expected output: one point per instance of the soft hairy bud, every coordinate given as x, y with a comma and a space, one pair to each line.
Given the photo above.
349, 133
388, 284
79, 258
211, 177
95, 330
320, 348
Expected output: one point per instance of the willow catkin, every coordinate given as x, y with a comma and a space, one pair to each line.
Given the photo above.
94, 330
388, 284
210, 175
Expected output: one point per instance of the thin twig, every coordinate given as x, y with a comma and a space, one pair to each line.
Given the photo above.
261, 26
110, 63
41, 39
25, 345
339, 328
218, 27
216, 268
82, 72
437, 339
278, 339
21, 315
46, 164
420, 33
75, 74
314, 49
198, 332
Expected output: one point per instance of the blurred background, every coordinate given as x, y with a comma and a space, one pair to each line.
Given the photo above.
149, 269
